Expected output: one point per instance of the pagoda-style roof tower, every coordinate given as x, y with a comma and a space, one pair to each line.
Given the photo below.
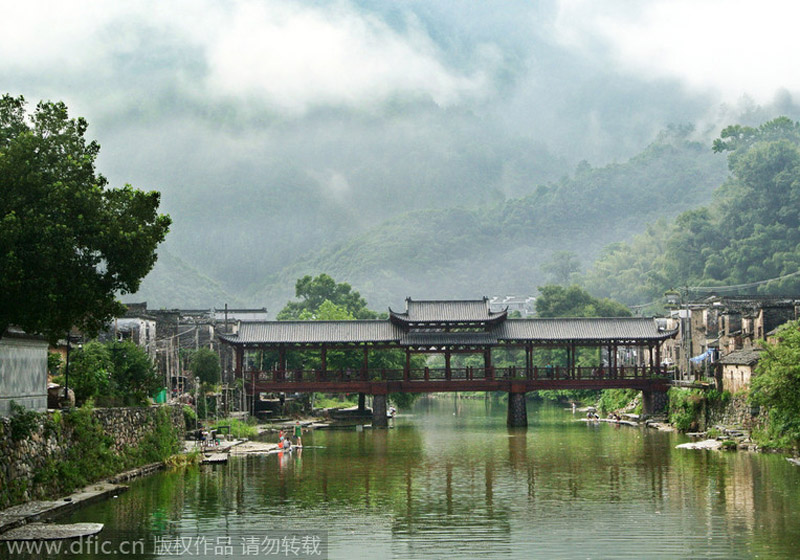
440, 315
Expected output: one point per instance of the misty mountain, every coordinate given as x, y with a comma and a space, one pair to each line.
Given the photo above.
499, 247
173, 283
747, 240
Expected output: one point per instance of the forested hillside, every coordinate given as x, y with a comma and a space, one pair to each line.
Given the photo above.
748, 234
176, 284
500, 248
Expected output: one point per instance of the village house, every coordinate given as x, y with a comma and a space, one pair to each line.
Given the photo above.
737, 368
175, 330
721, 326
135, 326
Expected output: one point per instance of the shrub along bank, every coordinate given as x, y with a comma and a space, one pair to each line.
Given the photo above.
46, 455
697, 410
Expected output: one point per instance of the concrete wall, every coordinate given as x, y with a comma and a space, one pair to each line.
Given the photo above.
23, 373
20, 461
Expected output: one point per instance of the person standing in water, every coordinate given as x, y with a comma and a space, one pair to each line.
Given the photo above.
298, 431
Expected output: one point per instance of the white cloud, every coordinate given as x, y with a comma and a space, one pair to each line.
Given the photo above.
290, 56
299, 57
39, 36
734, 47
332, 182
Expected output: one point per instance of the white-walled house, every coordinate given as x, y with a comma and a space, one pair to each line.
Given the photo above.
23, 371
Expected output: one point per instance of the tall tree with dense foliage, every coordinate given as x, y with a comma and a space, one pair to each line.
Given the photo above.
205, 366
323, 299
313, 292
133, 373
68, 244
573, 301
112, 373
776, 385
90, 372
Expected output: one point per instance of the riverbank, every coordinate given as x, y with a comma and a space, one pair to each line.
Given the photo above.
717, 420
55, 453
35, 511
45, 510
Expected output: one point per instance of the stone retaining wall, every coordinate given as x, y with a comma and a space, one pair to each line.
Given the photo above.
130, 425
49, 440
736, 413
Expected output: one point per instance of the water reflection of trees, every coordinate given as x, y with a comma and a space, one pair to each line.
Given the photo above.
469, 475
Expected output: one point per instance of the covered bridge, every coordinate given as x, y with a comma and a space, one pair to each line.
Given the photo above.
628, 352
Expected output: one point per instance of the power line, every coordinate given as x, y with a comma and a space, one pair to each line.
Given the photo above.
648, 304
734, 287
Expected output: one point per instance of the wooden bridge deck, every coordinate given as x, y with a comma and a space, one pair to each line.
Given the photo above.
466, 379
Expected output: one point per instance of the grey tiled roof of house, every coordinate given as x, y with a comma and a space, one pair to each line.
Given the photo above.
743, 357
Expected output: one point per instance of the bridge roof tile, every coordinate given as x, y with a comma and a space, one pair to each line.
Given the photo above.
448, 339
588, 330
447, 311
314, 332
582, 329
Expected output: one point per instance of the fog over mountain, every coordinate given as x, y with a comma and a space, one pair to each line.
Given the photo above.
279, 130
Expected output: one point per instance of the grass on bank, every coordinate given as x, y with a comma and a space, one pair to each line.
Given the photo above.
238, 429
90, 455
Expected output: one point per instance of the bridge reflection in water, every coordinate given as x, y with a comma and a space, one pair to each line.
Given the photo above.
448, 328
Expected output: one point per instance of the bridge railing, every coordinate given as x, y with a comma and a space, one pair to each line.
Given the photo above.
454, 374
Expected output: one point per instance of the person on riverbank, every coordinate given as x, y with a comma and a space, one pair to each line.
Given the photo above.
298, 432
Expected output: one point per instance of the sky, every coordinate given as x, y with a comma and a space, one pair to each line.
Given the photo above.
277, 125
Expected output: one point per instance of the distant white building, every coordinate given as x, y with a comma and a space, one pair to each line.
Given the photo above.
139, 330
234, 315
525, 305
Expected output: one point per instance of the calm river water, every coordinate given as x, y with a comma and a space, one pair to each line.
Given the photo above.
450, 480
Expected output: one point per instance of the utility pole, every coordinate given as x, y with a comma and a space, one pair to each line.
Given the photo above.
679, 299
687, 333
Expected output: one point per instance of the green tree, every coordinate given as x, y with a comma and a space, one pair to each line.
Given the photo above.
558, 301
112, 373
562, 267
327, 311
313, 292
325, 300
53, 363
133, 373
205, 366
90, 370
68, 244
776, 385
750, 233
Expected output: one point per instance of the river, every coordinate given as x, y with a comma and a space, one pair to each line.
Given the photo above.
450, 480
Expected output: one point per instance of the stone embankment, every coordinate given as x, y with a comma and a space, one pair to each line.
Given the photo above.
738, 414
30, 447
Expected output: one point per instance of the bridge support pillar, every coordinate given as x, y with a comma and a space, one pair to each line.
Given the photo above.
654, 402
362, 402
379, 419
517, 410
